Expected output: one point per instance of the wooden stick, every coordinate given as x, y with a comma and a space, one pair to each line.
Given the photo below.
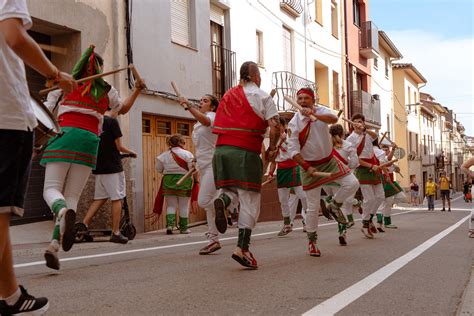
339, 113
175, 88
45, 91
383, 137
186, 176
388, 163
270, 180
299, 107
138, 77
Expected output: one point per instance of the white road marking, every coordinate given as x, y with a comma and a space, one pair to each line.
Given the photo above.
339, 301
117, 253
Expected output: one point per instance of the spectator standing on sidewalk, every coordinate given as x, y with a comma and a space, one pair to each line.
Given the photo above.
445, 186
430, 188
414, 192
17, 122
109, 175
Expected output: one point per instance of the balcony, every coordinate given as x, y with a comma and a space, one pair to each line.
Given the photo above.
224, 73
287, 83
292, 7
368, 105
369, 40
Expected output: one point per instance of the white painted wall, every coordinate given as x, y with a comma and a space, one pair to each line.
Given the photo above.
248, 16
383, 86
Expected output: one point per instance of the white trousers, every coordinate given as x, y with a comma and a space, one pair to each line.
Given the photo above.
373, 195
64, 180
206, 197
177, 202
249, 206
293, 204
386, 207
347, 206
348, 187
284, 196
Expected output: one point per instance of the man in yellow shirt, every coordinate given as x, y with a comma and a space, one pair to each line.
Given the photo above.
430, 188
444, 186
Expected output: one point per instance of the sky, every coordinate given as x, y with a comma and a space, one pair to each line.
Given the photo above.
436, 36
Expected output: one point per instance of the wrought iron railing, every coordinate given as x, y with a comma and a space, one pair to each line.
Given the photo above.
294, 7
362, 102
224, 70
287, 83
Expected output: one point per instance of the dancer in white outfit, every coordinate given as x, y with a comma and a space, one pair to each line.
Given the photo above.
288, 177
205, 144
466, 168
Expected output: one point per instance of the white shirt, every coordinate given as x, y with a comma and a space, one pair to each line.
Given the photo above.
261, 102
166, 164
15, 103
115, 104
283, 153
319, 142
355, 140
349, 153
205, 142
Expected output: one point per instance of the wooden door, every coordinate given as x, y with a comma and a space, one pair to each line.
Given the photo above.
155, 129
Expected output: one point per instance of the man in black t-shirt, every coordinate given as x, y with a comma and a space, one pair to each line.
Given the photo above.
109, 175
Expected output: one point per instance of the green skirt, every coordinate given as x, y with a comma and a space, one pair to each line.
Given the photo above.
391, 190
333, 166
235, 167
288, 177
75, 145
170, 187
365, 176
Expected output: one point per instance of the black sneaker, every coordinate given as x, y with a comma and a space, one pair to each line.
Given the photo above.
69, 236
27, 304
221, 218
119, 239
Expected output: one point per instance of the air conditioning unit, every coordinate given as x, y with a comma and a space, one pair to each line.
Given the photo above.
376, 97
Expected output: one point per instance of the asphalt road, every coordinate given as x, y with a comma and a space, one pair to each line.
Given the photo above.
157, 274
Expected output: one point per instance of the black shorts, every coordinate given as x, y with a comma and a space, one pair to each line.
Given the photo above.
16, 148
445, 194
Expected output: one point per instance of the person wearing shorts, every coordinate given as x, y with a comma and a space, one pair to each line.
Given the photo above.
109, 175
17, 122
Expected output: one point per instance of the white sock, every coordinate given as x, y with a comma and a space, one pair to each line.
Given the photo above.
12, 299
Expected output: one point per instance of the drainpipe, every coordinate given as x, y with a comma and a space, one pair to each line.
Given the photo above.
346, 54
305, 43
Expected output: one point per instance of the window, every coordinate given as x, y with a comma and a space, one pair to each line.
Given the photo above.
259, 46
356, 12
319, 11
287, 49
146, 126
183, 129
335, 90
416, 144
181, 22
409, 97
387, 64
163, 127
414, 96
376, 63
410, 145
334, 21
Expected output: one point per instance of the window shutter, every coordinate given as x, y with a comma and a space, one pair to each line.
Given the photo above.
217, 15
180, 22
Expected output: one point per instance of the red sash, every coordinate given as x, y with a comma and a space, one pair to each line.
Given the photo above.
180, 161
361, 146
373, 160
290, 163
304, 135
236, 122
338, 155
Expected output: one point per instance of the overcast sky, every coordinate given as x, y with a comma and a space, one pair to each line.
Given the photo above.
436, 36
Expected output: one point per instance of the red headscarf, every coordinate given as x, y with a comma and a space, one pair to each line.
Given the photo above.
307, 91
